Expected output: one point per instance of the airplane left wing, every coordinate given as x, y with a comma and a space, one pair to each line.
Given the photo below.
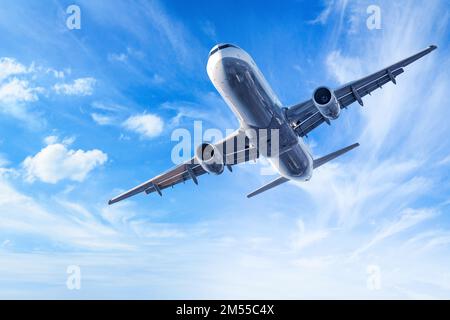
305, 116
234, 153
180, 173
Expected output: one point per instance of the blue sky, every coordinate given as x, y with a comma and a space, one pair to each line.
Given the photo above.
85, 114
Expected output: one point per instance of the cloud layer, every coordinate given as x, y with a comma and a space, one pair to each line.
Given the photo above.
383, 207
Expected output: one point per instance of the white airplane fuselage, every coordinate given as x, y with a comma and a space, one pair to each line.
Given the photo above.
243, 87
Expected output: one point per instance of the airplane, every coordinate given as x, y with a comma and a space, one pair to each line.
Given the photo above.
245, 90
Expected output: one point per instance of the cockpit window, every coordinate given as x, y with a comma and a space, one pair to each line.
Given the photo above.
220, 47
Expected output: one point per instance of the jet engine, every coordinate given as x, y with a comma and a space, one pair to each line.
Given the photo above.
326, 102
210, 158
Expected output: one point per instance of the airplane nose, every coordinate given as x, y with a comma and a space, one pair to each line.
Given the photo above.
213, 50
219, 47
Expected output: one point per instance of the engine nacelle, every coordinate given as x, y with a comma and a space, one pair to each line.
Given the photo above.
210, 158
326, 102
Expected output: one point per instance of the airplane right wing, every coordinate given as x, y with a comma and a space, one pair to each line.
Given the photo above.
305, 116
236, 149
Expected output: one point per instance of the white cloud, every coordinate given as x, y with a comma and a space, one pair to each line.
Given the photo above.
120, 57
56, 162
102, 119
10, 67
80, 87
15, 97
51, 140
147, 125
20, 86
17, 91
125, 56
55, 139
58, 74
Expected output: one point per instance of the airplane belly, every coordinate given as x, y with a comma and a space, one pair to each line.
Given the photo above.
294, 163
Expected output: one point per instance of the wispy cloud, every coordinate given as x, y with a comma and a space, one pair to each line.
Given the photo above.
343, 69
407, 219
322, 18
102, 119
120, 57
305, 238
79, 87
109, 107
209, 29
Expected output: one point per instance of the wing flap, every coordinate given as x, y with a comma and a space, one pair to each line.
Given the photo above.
310, 123
346, 96
162, 181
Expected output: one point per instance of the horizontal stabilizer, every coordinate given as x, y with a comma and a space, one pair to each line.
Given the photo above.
318, 162
268, 186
